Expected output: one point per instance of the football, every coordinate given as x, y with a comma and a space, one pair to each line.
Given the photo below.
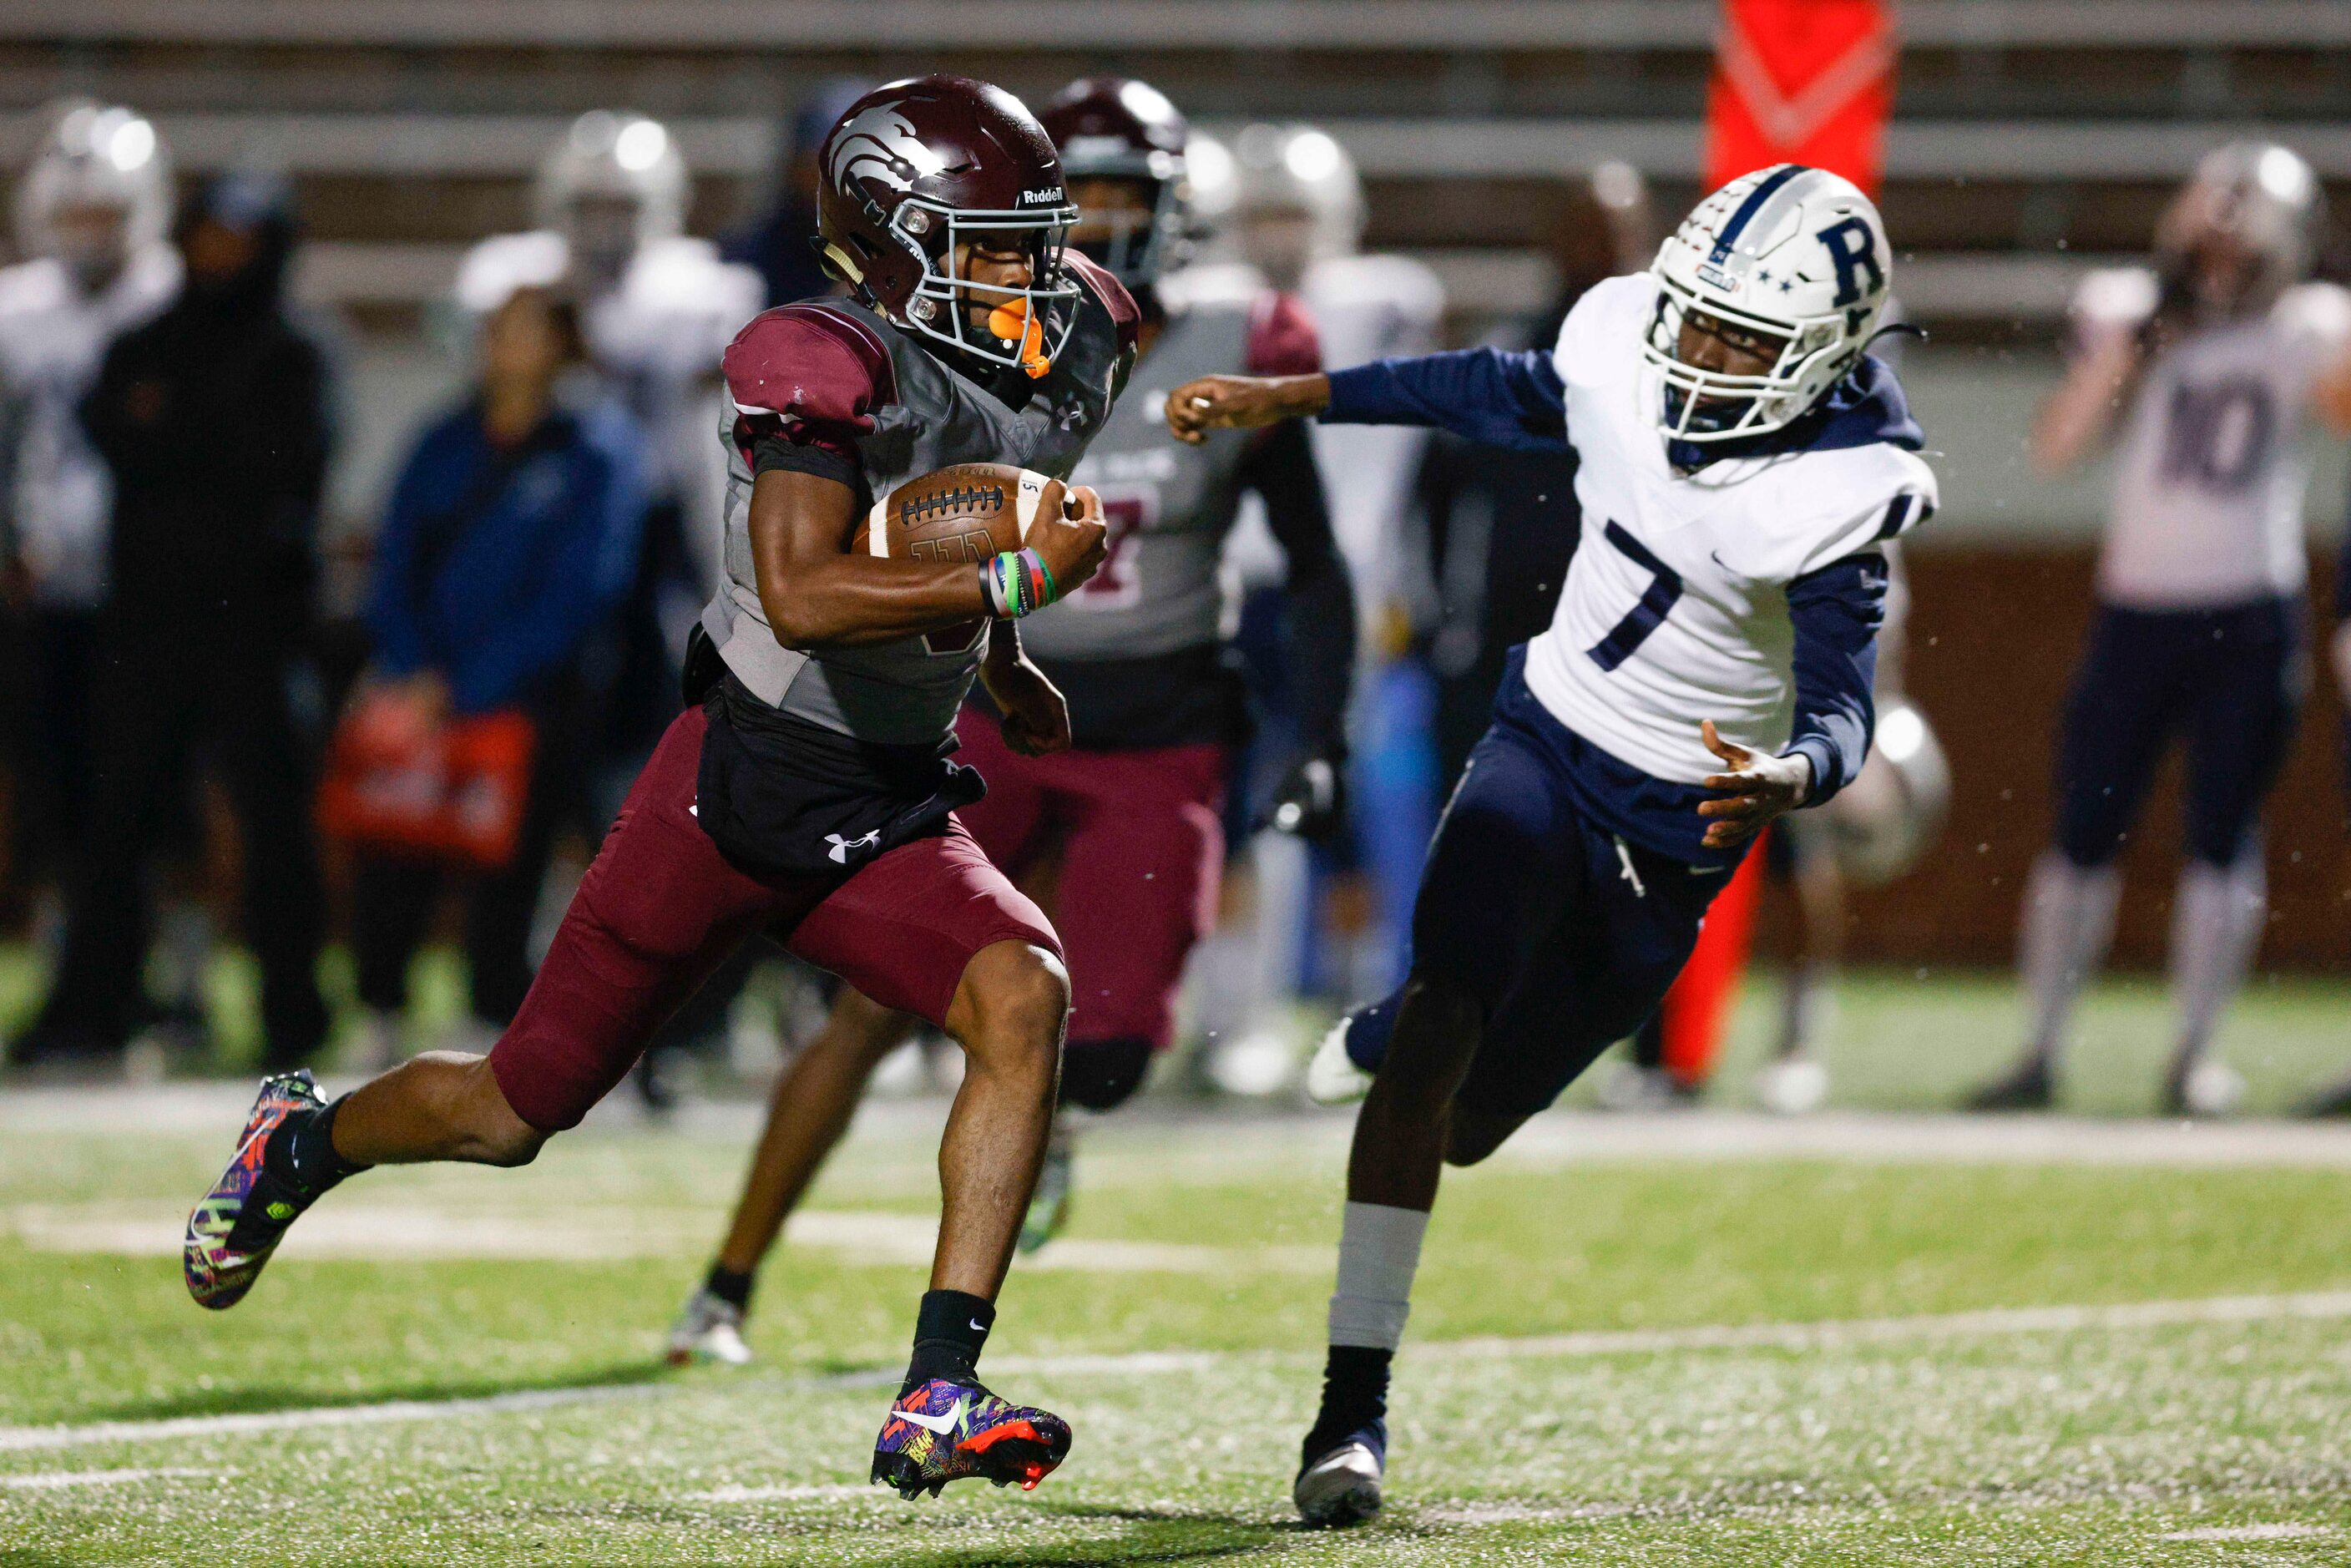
968, 512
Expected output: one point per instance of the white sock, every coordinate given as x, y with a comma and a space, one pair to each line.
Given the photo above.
2069, 919
1379, 1251
2217, 919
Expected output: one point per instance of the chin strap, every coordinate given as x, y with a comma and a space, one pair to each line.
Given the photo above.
1896, 330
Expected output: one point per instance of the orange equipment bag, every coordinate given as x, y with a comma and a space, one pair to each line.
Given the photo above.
453, 791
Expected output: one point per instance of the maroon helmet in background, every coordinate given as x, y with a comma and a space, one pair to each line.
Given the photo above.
916, 169
1116, 127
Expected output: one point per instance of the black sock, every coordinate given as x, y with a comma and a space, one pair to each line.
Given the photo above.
1355, 1394
730, 1286
950, 1331
302, 1151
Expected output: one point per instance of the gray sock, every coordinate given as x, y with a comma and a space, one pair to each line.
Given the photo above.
2217, 919
2069, 919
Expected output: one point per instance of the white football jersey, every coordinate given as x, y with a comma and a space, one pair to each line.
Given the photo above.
1368, 308
53, 337
2214, 460
1675, 609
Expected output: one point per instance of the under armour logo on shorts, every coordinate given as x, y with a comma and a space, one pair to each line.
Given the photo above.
841, 846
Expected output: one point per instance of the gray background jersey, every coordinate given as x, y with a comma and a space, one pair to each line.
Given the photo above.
2214, 461
907, 692
1168, 506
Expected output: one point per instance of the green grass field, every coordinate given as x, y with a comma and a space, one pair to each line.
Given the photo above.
1696, 1340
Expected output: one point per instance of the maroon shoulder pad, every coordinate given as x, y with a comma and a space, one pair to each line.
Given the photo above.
810, 363
1123, 312
1282, 340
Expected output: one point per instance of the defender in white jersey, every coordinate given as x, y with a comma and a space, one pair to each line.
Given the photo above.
1742, 461
2222, 357
91, 213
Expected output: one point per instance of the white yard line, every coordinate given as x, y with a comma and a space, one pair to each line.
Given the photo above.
2309, 1306
595, 1234
51, 1481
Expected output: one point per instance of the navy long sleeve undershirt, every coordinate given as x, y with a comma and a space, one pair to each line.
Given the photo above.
1498, 396
1506, 398
1836, 612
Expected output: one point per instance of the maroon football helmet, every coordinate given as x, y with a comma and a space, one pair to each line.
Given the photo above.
1114, 128
916, 169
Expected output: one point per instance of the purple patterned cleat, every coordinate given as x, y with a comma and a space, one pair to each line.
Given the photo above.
225, 1244
944, 1431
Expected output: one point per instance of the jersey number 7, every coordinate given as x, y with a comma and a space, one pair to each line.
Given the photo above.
1645, 617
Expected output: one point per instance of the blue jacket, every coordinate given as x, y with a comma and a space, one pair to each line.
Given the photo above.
495, 566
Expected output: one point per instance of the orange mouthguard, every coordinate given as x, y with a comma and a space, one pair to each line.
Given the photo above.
1013, 323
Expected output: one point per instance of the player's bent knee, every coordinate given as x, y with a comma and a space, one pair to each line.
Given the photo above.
1103, 1074
493, 1134
1014, 997
1472, 1135
1437, 1026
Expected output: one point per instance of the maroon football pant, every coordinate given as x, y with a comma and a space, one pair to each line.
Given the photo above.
1141, 849
661, 908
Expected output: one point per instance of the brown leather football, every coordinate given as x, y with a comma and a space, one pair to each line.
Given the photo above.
966, 513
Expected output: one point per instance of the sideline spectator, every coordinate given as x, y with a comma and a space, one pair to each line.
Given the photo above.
213, 419
512, 537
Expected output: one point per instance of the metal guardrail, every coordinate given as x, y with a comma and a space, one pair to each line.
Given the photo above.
1452, 26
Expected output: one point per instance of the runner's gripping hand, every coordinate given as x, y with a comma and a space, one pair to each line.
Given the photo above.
1243, 403
1072, 545
1754, 789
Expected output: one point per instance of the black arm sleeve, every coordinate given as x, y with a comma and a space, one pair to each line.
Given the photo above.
1319, 609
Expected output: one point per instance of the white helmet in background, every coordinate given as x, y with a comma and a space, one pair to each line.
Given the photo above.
1885, 822
1298, 199
1797, 256
615, 182
92, 162
1216, 185
2259, 202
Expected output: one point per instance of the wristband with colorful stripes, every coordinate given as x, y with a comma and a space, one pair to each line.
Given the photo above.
1017, 583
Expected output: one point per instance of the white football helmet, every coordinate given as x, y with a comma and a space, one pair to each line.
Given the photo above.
1795, 254
2261, 200
1298, 199
101, 158
615, 182
1885, 822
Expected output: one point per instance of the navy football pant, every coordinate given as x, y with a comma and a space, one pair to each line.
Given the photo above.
1567, 935
2229, 679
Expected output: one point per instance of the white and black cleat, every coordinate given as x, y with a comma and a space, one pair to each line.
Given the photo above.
710, 1329
1341, 1485
1332, 1076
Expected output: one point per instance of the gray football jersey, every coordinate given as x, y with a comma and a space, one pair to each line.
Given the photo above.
1168, 506
924, 417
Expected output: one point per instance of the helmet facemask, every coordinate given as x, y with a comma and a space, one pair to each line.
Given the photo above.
1024, 327
1706, 405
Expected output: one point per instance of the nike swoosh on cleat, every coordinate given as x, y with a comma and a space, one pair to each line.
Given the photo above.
939, 1424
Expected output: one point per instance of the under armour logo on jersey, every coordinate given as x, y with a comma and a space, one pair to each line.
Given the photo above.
881, 145
1854, 248
842, 847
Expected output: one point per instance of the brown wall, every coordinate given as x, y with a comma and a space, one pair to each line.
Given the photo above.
1994, 636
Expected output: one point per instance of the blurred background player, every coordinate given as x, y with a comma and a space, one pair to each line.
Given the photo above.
1297, 219
511, 538
213, 419
91, 213
1499, 524
658, 307
2222, 356
1118, 839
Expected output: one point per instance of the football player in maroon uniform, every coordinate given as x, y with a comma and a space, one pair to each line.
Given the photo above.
806, 794
1125, 826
